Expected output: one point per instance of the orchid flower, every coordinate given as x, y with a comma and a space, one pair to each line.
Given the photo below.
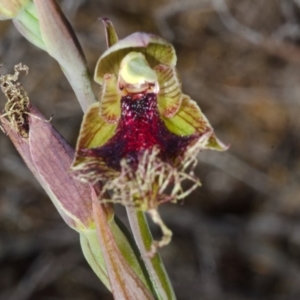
144, 134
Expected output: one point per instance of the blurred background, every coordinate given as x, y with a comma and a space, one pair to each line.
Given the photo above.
237, 237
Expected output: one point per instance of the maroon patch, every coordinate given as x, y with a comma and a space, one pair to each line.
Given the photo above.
139, 128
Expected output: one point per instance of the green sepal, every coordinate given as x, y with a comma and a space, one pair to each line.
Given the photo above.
110, 32
190, 120
93, 254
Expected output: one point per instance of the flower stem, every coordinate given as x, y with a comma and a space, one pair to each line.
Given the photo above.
154, 265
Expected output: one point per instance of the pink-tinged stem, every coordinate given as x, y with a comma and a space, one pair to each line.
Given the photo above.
62, 44
155, 267
124, 282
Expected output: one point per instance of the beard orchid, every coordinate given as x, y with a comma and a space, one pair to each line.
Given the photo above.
142, 137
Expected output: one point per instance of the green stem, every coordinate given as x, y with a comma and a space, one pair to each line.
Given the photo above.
154, 265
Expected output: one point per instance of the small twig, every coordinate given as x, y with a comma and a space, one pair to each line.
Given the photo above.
239, 169
172, 8
31, 280
234, 25
277, 47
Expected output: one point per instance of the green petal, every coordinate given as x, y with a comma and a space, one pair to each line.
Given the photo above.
169, 97
214, 143
110, 107
156, 50
190, 120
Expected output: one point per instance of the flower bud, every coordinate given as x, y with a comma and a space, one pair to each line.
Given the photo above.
9, 9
